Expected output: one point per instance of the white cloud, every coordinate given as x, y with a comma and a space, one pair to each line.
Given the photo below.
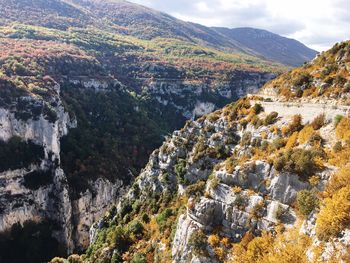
316, 23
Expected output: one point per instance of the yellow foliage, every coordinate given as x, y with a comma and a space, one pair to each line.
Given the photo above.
319, 162
285, 92
314, 180
308, 92
256, 250
289, 247
305, 134
338, 180
285, 130
343, 129
334, 215
219, 253
214, 240
243, 112
292, 140
340, 158
225, 242
236, 189
259, 154
250, 192
230, 165
274, 129
264, 135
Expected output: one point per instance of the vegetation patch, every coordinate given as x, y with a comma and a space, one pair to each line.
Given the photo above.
112, 140
16, 154
36, 179
299, 161
32, 243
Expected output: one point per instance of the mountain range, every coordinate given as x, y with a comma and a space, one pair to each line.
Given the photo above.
118, 16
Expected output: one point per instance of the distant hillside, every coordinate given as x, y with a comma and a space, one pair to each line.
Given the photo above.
269, 45
127, 18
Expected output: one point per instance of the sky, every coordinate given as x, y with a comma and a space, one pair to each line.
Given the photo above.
318, 24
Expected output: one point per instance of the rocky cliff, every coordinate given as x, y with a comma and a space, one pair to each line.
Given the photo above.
253, 182
193, 99
50, 198
33, 185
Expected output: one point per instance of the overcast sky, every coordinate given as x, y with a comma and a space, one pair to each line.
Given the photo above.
317, 23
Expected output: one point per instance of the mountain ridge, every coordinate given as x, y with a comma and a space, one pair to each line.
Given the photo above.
276, 50
131, 19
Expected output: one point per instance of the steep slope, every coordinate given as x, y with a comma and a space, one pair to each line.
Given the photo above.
122, 17
271, 46
252, 182
325, 78
145, 23
115, 16
51, 13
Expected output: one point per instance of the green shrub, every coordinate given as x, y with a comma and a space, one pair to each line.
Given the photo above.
196, 189
136, 228
256, 142
243, 123
136, 206
214, 183
75, 259
163, 216
198, 240
120, 239
246, 138
139, 258
180, 170
299, 161
279, 143
145, 218
347, 87
337, 119
58, 260
307, 201
316, 139
241, 200
271, 118
116, 258
302, 79
264, 145
337, 147
258, 108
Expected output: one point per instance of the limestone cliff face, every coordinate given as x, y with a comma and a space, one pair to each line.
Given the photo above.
50, 200
90, 207
196, 98
222, 206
